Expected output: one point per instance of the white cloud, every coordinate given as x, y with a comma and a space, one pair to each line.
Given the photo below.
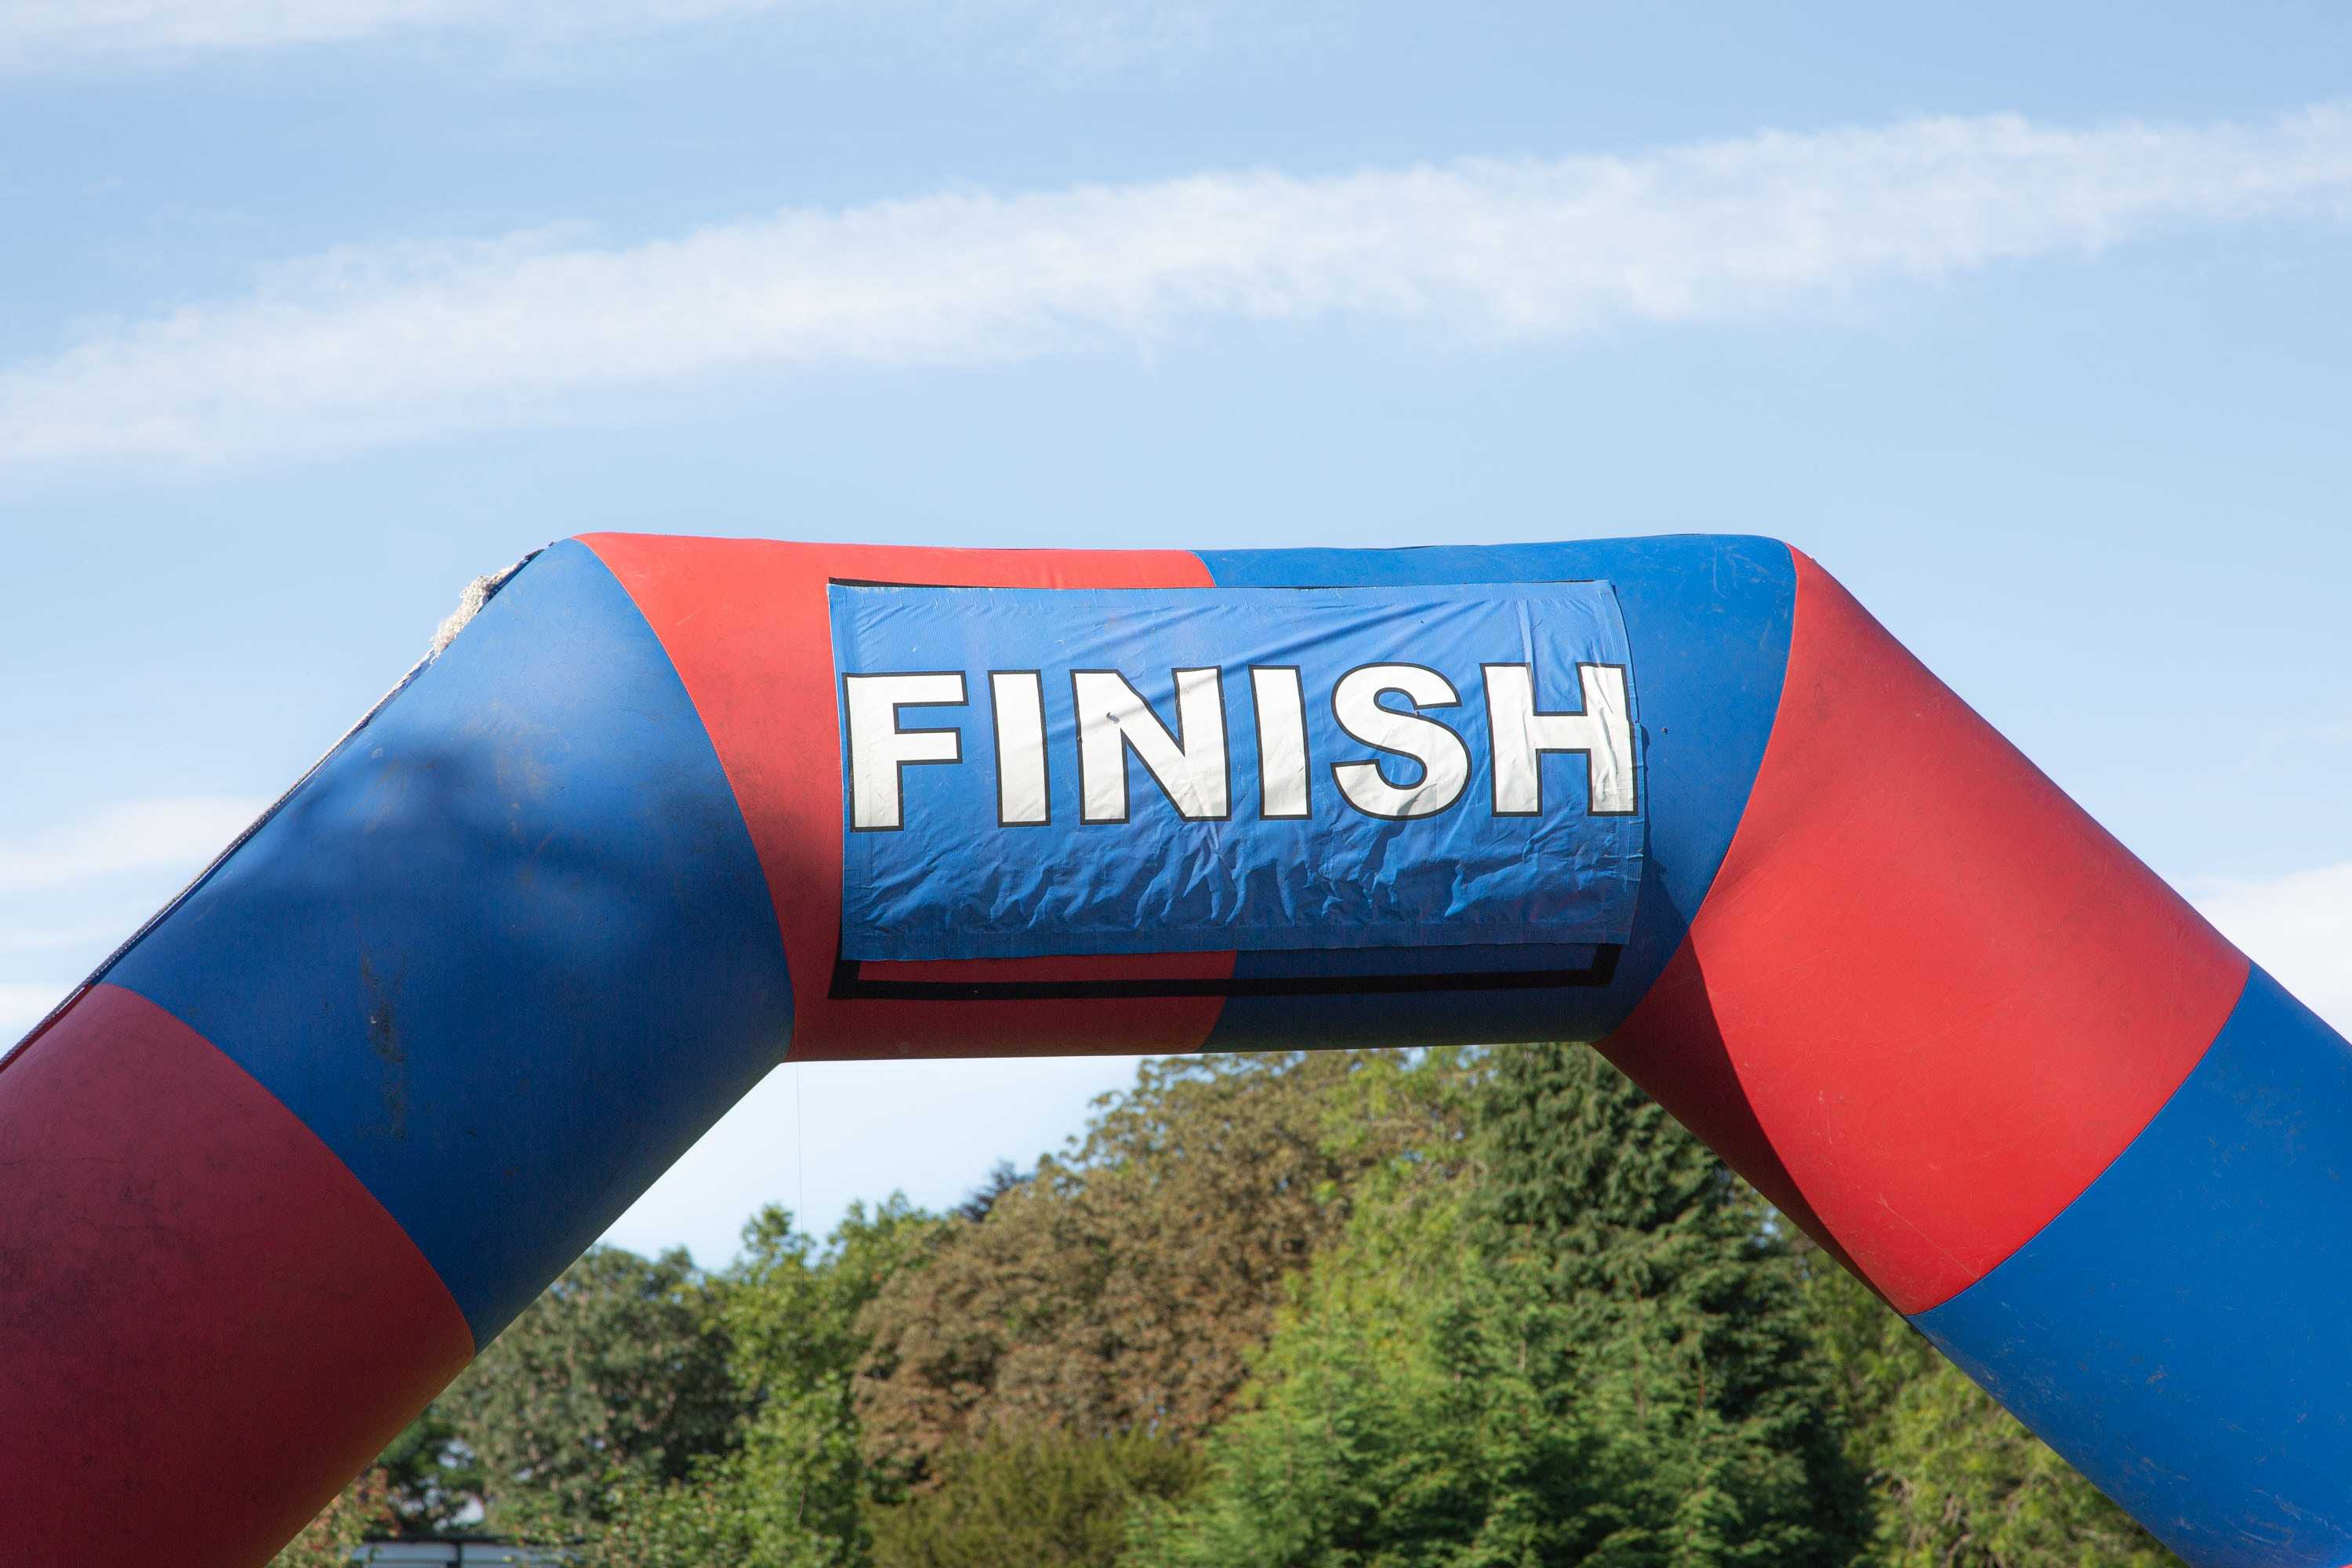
371, 345
37, 34
172, 833
2299, 927
35, 31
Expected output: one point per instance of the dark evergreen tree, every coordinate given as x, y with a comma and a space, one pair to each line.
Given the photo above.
1662, 1302
1003, 1178
1391, 1424
1578, 1341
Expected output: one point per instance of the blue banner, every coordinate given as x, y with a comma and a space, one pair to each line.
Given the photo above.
1035, 772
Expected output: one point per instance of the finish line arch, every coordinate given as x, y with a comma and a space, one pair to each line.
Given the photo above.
671, 810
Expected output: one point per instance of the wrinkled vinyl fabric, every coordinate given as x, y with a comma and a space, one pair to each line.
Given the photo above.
1188, 770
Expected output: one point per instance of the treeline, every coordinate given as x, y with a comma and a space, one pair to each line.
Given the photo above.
1330, 1309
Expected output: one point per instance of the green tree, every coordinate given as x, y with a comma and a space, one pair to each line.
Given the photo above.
1347, 1310
703, 1522
799, 1318
793, 1493
1124, 1285
1044, 1500
1659, 1290
1957, 1482
1577, 1340
432, 1479
1394, 1421
617, 1374
359, 1512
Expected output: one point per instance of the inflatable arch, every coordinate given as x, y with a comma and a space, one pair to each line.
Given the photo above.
671, 810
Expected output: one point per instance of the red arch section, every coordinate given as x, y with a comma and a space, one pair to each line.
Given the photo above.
744, 620
1927, 999
195, 1299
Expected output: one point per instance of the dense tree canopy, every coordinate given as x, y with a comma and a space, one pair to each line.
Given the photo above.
363, 1512
1576, 1342
1047, 1499
1662, 1299
433, 1483
1125, 1286
1341, 1310
617, 1373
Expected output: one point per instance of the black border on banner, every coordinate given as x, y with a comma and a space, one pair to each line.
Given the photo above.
851, 983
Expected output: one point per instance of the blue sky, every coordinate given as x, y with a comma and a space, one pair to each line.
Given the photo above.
2029, 322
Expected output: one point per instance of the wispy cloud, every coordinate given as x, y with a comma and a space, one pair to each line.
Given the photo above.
175, 833
2299, 927
371, 345
42, 32
48, 34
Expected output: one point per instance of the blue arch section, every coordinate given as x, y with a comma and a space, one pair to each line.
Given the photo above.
2178, 1331
1708, 619
417, 954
